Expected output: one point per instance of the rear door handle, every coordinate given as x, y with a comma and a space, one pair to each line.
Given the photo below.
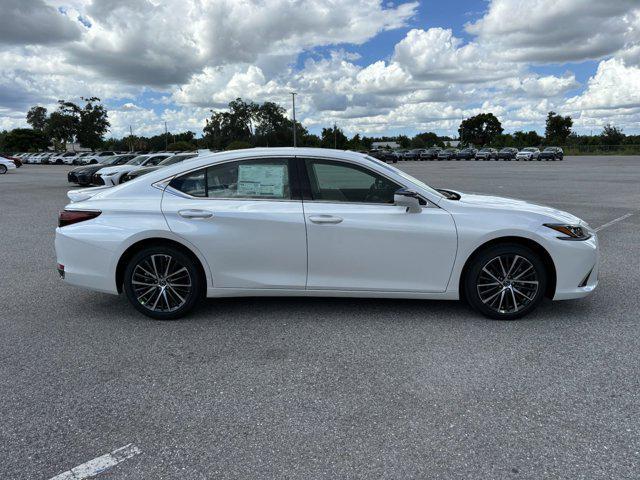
328, 219
195, 213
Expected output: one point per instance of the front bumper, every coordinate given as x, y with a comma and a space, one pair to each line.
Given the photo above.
577, 267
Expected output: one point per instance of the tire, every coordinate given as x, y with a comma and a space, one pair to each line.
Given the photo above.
153, 295
3, 169
488, 299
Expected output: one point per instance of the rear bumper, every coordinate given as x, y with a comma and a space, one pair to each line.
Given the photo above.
85, 265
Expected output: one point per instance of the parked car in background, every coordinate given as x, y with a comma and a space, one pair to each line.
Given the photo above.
111, 176
95, 157
529, 153
83, 175
448, 154
16, 161
234, 224
80, 156
66, 158
164, 163
413, 154
551, 153
430, 153
487, 154
507, 153
467, 154
6, 166
384, 155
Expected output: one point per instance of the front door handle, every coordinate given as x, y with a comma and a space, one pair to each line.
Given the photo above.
328, 219
195, 213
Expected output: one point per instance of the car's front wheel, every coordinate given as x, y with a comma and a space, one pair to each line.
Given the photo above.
3, 169
505, 282
163, 282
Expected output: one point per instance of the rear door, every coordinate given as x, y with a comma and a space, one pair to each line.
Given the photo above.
246, 219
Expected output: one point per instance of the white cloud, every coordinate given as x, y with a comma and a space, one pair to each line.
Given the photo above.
614, 87
556, 31
216, 50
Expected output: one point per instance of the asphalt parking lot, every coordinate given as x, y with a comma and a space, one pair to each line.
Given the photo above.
327, 388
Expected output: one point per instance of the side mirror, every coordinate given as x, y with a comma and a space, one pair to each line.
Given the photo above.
407, 198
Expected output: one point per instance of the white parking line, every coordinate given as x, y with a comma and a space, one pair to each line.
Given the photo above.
614, 221
98, 465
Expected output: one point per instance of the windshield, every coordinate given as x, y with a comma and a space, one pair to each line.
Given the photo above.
137, 160
550, 149
175, 159
529, 149
110, 161
404, 175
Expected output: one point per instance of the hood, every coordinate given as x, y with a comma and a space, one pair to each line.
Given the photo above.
515, 205
87, 169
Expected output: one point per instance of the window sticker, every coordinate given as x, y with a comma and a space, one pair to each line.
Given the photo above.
261, 180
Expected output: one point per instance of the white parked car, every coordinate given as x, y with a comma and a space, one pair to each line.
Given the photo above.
111, 176
316, 222
529, 153
6, 166
95, 157
66, 158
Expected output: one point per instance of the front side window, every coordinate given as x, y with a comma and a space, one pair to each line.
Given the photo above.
245, 179
343, 182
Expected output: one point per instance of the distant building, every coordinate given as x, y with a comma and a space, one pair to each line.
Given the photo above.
392, 145
451, 143
75, 147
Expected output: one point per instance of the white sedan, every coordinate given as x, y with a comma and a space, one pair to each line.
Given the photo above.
316, 222
111, 176
6, 166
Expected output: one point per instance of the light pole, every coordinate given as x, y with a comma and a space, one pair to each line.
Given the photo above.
166, 137
293, 99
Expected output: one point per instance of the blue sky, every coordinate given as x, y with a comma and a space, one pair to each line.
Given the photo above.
371, 66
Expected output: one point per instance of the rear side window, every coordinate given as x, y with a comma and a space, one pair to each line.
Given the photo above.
266, 179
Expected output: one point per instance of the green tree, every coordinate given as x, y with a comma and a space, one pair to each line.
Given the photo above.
238, 144
612, 135
403, 140
527, 139
333, 137
25, 140
425, 140
93, 122
224, 127
558, 128
62, 126
272, 127
480, 130
37, 117
180, 146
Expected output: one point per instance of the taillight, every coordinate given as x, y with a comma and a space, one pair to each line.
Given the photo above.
69, 217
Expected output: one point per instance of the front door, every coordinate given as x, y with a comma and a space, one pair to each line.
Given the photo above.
359, 240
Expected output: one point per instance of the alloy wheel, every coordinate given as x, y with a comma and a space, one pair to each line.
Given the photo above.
3, 169
161, 283
507, 283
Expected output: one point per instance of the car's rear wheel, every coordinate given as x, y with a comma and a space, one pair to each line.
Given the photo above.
163, 282
3, 169
505, 282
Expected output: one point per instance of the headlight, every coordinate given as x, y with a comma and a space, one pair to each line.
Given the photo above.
570, 232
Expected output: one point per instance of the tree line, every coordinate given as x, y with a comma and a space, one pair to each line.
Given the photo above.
249, 124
